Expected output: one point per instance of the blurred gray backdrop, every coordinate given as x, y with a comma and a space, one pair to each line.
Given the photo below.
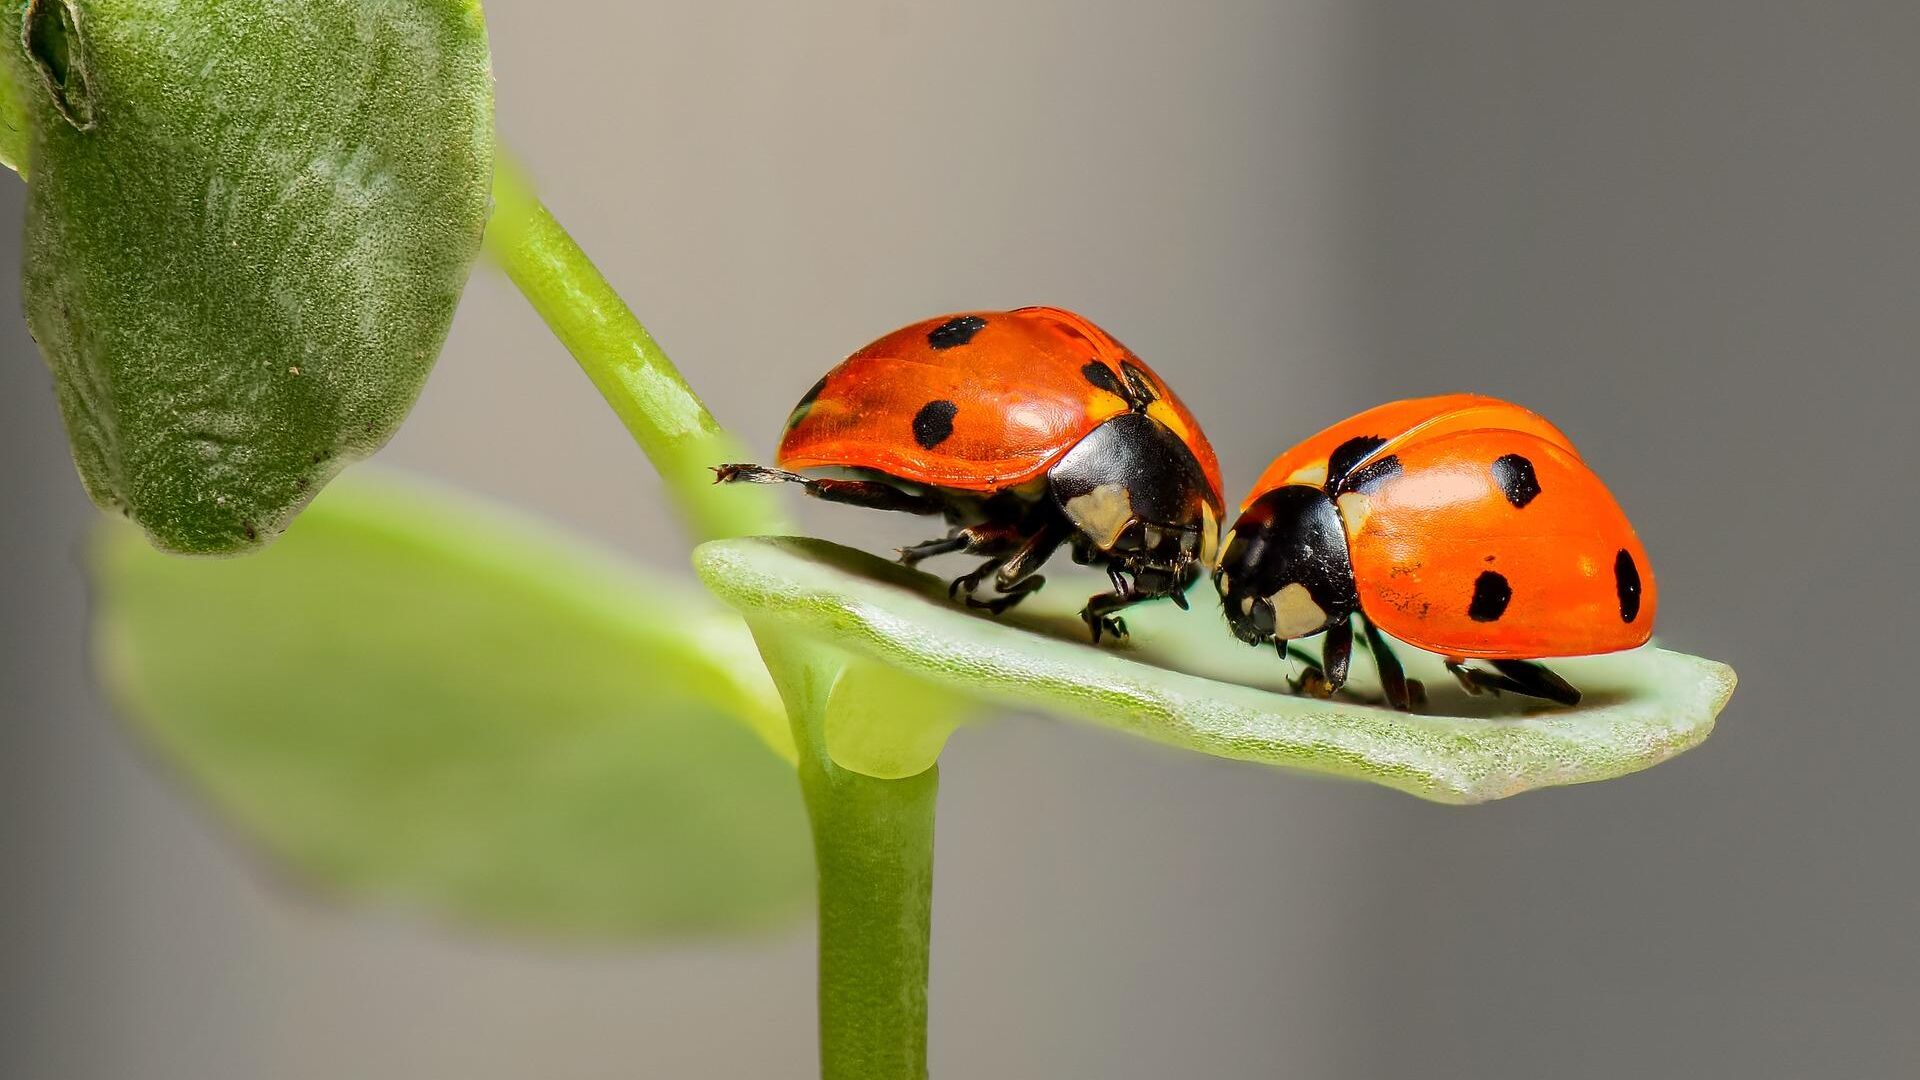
1690, 233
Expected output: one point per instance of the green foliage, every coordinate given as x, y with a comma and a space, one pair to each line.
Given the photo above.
884, 722
1183, 680
247, 228
414, 701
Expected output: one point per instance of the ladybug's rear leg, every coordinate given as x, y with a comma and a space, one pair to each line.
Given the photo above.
872, 494
1523, 677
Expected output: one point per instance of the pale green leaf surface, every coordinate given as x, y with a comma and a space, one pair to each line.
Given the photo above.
247, 228
885, 722
1183, 680
415, 701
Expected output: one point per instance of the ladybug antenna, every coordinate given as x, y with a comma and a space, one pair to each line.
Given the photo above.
1140, 392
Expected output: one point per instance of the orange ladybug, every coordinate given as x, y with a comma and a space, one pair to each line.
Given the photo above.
1026, 430
1463, 525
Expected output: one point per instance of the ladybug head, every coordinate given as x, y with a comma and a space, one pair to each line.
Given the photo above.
1285, 571
1137, 496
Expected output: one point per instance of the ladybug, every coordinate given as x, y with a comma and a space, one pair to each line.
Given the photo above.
1026, 430
1462, 525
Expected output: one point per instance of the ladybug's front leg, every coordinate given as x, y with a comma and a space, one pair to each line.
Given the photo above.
1098, 614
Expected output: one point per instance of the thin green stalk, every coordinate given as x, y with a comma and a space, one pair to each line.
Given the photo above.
873, 839
873, 848
873, 854
14, 138
627, 366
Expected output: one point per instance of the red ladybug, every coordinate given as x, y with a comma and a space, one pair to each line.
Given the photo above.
1026, 430
1463, 525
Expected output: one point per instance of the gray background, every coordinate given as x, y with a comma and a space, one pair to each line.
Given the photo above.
1687, 232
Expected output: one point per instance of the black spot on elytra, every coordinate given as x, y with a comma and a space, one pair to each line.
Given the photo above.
934, 423
1370, 476
955, 331
1491, 595
1515, 476
800, 411
1626, 582
1347, 455
1102, 376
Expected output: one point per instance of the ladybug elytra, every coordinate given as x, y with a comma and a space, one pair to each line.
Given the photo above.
1027, 430
1462, 525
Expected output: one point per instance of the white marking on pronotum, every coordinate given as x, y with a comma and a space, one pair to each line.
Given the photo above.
1294, 612
1103, 513
1209, 536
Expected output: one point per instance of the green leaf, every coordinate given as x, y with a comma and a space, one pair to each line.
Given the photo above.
1182, 679
247, 228
415, 701
885, 722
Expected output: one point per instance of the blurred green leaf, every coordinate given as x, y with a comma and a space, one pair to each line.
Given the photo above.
1182, 679
247, 227
418, 702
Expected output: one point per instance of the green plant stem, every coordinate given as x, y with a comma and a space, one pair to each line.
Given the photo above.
873, 854
15, 141
873, 839
873, 851
627, 366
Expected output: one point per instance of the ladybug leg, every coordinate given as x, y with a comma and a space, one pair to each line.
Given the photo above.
1393, 677
1324, 679
872, 494
912, 556
989, 538
1469, 679
1522, 677
1010, 595
965, 584
1016, 579
1099, 612
1013, 575
1099, 618
1536, 680
1337, 654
